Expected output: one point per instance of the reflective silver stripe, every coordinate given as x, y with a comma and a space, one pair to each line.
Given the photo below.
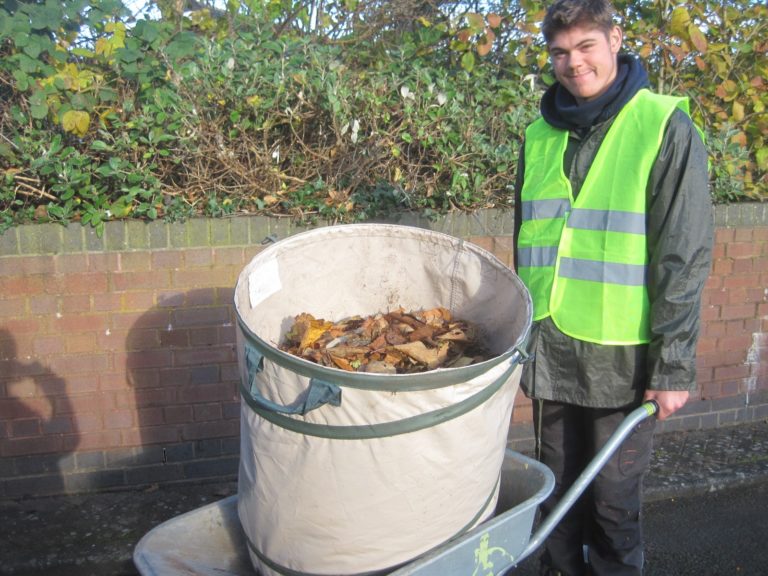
543, 209
607, 220
537, 256
605, 272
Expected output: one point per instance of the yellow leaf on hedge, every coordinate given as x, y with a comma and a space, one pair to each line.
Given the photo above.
76, 122
697, 38
679, 21
738, 111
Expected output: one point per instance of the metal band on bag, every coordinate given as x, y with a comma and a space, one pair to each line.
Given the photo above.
385, 429
290, 572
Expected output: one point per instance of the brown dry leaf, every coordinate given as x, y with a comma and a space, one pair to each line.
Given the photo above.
419, 352
397, 342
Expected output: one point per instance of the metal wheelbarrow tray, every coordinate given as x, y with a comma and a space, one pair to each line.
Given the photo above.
209, 541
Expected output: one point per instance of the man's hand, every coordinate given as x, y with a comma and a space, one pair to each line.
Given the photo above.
669, 401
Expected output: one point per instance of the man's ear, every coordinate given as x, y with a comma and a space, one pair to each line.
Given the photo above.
615, 37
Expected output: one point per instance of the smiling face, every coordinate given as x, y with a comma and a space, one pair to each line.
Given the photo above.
584, 59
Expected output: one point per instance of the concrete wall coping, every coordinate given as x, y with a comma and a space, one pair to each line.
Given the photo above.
130, 235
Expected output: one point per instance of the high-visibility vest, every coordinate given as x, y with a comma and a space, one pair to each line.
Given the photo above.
584, 261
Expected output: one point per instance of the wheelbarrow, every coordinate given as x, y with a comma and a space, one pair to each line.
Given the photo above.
209, 540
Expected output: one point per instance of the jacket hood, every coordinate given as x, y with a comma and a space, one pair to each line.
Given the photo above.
560, 109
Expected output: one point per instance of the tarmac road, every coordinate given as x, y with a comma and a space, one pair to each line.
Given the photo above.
721, 533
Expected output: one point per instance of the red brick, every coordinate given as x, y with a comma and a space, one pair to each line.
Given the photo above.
107, 302
25, 428
85, 283
150, 417
31, 265
139, 300
738, 311
207, 316
22, 286
742, 342
144, 280
722, 267
75, 304
233, 256
137, 320
138, 359
150, 435
69, 322
15, 369
146, 378
119, 419
714, 282
139, 338
207, 412
704, 375
760, 234
100, 440
43, 304
729, 373
206, 393
743, 266
79, 364
208, 355
198, 257
13, 307
735, 328
113, 381
744, 234
706, 344
205, 430
154, 397
80, 384
171, 298
198, 278
178, 414
204, 336
89, 422
134, 262
714, 297
47, 345
710, 313
718, 251
70, 264
27, 446
81, 343
174, 376
58, 425
723, 235
110, 340
167, 259
174, 338
741, 281
103, 261
740, 250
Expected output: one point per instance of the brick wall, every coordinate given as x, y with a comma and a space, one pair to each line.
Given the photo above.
117, 357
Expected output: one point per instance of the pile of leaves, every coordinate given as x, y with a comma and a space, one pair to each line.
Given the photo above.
396, 342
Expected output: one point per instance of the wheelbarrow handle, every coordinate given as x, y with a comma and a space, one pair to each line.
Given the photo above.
646, 410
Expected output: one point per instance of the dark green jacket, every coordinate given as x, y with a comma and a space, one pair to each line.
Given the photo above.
680, 237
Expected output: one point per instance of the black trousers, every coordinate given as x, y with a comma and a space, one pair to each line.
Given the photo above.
601, 535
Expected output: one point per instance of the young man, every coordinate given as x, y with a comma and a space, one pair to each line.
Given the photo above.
613, 239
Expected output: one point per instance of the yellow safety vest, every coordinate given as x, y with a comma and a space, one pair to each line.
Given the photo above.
585, 261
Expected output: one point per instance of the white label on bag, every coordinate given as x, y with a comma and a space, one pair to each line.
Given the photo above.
264, 282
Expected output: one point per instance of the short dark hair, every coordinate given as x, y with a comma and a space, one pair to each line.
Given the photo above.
565, 14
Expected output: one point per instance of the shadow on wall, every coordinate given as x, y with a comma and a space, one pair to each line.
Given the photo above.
182, 366
38, 431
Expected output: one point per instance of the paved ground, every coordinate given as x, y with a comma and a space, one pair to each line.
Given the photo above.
94, 535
